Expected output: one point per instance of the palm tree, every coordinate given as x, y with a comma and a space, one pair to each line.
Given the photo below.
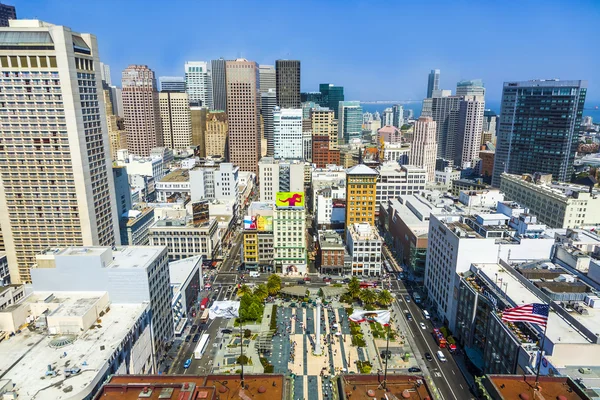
354, 287
368, 296
261, 291
244, 289
273, 284
385, 298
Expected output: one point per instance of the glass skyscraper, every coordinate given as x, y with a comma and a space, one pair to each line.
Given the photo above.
350, 121
538, 126
331, 96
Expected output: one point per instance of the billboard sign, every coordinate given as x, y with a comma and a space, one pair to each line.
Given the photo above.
264, 223
250, 223
289, 199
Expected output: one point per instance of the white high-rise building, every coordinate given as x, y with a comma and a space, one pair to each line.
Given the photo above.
105, 73
56, 183
287, 133
198, 83
267, 78
279, 176
424, 146
470, 127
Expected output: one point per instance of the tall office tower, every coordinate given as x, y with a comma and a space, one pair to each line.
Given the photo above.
472, 87
243, 111
387, 118
287, 76
433, 82
172, 83
324, 124
56, 182
424, 146
470, 127
490, 120
142, 110
361, 195
268, 79
306, 139
398, 115
444, 109
287, 133
267, 104
198, 83
409, 114
331, 96
198, 121
216, 134
176, 120
105, 74
219, 84
315, 97
117, 139
538, 128
116, 96
350, 121
7, 13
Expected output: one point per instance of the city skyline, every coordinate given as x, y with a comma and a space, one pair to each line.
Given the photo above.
345, 65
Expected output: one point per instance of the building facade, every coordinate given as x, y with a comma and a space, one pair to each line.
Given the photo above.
198, 84
331, 96
469, 130
350, 121
142, 110
289, 240
216, 134
268, 80
219, 84
183, 239
433, 82
399, 180
287, 133
361, 195
243, 112
444, 109
56, 182
332, 256
172, 84
268, 104
279, 176
365, 247
323, 123
176, 120
538, 128
288, 83
424, 146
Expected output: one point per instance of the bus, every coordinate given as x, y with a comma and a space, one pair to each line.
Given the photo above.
204, 303
202, 345
204, 317
439, 338
365, 285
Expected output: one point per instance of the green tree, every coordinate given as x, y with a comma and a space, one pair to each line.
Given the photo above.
243, 360
273, 284
247, 333
244, 290
261, 292
385, 298
354, 287
368, 296
255, 311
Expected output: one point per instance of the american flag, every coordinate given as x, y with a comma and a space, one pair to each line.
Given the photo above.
535, 313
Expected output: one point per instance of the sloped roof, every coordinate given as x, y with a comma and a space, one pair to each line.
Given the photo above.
361, 169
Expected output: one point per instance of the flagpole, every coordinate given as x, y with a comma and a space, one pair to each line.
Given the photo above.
386, 359
537, 375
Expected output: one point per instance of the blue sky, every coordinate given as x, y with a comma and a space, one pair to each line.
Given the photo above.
377, 50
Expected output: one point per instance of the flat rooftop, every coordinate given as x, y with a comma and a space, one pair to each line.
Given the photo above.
180, 270
367, 387
559, 331
122, 257
179, 175
512, 386
134, 387
24, 357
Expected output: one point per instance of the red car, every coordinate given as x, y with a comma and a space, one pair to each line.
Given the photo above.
306, 279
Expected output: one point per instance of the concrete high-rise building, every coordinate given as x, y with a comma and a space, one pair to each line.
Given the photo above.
198, 83
279, 176
268, 79
56, 182
141, 110
490, 120
387, 117
219, 84
216, 134
470, 127
423, 152
176, 119
287, 133
243, 111
538, 128
7, 13
331, 96
350, 121
433, 83
324, 124
115, 128
361, 195
398, 115
268, 103
172, 84
289, 240
444, 109
321, 154
116, 97
472, 87
105, 74
198, 120
287, 74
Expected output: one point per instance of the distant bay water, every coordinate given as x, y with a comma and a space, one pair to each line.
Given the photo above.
416, 106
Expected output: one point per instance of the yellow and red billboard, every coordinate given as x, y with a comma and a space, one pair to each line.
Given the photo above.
289, 199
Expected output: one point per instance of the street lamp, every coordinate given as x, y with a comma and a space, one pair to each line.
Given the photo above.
230, 312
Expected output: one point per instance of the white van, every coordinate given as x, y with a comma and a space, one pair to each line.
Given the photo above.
426, 314
441, 356
254, 274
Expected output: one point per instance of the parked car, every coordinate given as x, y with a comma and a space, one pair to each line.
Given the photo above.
326, 279
414, 369
301, 282
422, 325
196, 338
428, 357
227, 330
188, 338
407, 298
194, 328
347, 280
